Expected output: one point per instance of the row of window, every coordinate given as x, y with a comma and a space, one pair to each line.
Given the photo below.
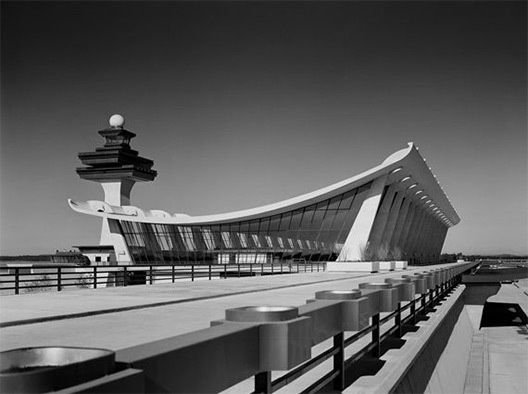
314, 232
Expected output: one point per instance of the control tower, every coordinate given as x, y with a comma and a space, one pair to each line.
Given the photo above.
117, 168
115, 165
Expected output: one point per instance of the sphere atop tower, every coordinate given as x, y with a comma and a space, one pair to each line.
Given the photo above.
117, 121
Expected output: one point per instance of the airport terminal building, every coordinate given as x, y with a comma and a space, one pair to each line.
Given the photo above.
396, 209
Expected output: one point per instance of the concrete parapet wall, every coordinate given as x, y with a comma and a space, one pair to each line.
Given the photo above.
450, 372
409, 369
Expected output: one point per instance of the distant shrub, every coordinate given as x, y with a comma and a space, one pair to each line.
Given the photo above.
44, 283
366, 253
382, 253
396, 253
84, 281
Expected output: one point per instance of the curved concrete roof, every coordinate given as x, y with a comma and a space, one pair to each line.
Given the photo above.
406, 166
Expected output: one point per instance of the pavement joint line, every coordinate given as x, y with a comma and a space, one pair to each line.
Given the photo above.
160, 304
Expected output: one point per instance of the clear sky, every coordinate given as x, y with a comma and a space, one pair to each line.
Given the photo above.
245, 103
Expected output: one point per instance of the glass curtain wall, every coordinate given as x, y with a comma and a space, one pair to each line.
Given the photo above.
313, 233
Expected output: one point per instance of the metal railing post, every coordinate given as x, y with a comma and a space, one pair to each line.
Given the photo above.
261, 269
311, 265
125, 276
225, 271
192, 273
376, 352
339, 361
398, 321
95, 277
281, 267
209, 271
272, 267
413, 310
238, 266
173, 273
431, 298
17, 281
150, 274
263, 382
251, 270
59, 278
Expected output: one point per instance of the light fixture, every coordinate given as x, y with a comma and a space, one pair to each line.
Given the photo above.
405, 179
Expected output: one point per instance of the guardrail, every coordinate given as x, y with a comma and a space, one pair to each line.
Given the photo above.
254, 341
37, 278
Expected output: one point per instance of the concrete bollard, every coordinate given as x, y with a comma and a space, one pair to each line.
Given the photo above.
355, 309
420, 283
405, 286
284, 336
325, 319
441, 274
382, 294
436, 277
430, 280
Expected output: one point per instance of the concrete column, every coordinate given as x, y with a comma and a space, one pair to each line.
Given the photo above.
435, 241
391, 221
398, 228
411, 230
420, 235
429, 239
441, 239
118, 193
438, 239
381, 218
360, 231
407, 226
414, 232
424, 236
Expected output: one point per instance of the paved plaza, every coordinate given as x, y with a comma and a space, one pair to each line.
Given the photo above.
120, 317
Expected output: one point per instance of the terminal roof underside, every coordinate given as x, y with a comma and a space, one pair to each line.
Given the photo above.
405, 168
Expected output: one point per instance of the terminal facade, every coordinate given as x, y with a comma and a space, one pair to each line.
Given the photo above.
396, 210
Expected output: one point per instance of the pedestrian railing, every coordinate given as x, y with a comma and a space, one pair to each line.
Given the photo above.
39, 278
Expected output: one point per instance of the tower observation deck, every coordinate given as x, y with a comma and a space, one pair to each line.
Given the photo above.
115, 165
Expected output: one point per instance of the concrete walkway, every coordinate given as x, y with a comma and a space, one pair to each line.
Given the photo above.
117, 318
499, 355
